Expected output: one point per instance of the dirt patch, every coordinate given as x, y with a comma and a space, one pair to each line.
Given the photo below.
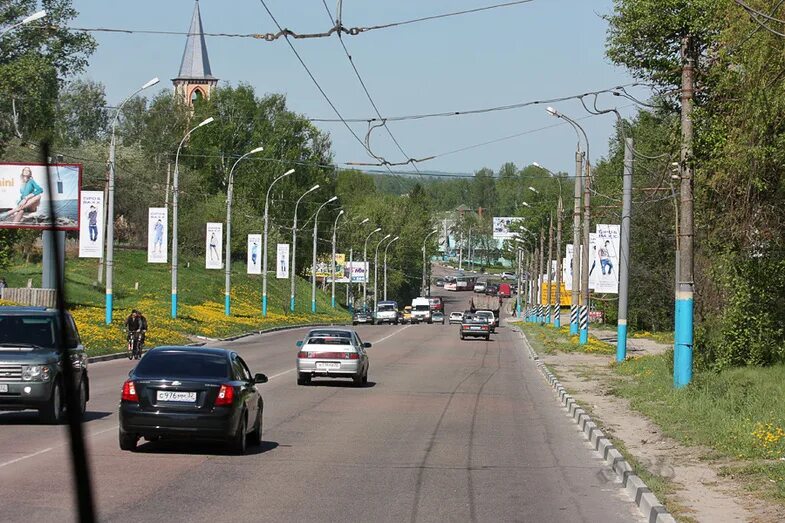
635, 346
696, 491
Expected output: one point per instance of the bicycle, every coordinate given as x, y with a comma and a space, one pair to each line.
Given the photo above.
134, 345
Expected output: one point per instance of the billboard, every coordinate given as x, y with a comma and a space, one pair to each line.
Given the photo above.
282, 261
505, 227
213, 258
604, 265
25, 198
157, 234
254, 253
324, 268
358, 271
91, 226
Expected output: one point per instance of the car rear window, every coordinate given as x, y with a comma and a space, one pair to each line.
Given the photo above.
28, 330
178, 364
328, 341
329, 334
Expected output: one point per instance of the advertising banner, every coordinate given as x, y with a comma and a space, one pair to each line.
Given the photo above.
605, 259
504, 227
25, 198
324, 268
282, 261
359, 271
567, 268
157, 234
254, 261
213, 258
91, 226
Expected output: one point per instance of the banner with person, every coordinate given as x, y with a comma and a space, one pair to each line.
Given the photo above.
506, 227
213, 257
254, 253
26, 201
91, 224
282, 261
605, 258
157, 234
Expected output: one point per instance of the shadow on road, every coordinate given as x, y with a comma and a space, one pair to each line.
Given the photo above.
30, 417
340, 384
199, 448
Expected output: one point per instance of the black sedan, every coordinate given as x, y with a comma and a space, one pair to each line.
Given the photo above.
192, 393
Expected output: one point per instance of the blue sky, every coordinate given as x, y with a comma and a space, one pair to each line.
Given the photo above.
544, 49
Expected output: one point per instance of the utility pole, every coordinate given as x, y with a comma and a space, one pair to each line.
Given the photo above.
683, 334
469, 249
559, 212
540, 301
576, 245
583, 319
549, 306
624, 255
533, 284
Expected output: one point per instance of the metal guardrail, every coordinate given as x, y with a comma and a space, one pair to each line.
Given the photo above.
30, 296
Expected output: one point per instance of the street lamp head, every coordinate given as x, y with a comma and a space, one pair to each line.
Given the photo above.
537, 165
552, 111
312, 188
675, 177
205, 122
396, 238
257, 150
377, 229
365, 221
340, 213
287, 173
533, 189
386, 237
33, 17
525, 204
150, 83
332, 199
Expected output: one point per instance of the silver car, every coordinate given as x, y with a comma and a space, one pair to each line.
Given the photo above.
332, 353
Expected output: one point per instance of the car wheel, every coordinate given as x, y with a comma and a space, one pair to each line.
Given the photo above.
358, 380
354, 323
255, 437
365, 377
239, 443
488, 337
303, 379
127, 441
82, 398
52, 412
463, 337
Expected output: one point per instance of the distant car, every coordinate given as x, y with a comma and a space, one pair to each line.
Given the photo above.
492, 289
400, 316
421, 310
363, 316
479, 287
332, 353
474, 327
505, 291
407, 314
456, 317
489, 317
436, 303
190, 393
386, 312
508, 276
437, 317
439, 282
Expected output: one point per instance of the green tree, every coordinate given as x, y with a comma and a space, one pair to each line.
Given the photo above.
81, 112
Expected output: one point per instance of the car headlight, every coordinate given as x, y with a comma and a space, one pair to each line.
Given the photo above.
35, 373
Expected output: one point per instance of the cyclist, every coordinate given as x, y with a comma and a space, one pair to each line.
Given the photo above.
136, 322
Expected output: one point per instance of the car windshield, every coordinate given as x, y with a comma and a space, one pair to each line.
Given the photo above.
28, 330
422, 307
484, 315
334, 340
386, 308
180, 364
456, 314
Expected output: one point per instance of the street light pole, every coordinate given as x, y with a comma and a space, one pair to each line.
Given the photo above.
376, 272
228, 267
423, 257
264, 243
294, 246
385, 264
33, 17
332, 265
559, 212
350, 284
365, 266
109, 223
549, 306
175, 199
313, 259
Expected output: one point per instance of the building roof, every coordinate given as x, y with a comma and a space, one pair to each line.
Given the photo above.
195, 64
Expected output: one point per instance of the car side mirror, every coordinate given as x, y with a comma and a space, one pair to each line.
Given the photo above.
367, 345
299, 343
260, 378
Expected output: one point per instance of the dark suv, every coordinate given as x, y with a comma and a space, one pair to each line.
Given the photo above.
30, 372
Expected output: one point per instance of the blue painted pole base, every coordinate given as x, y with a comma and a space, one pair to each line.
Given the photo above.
313, 305
682, 356
227, 305
557, 321
264, 305
621, 341
174, 305
584, 338
291, 304
109, 308
333, 301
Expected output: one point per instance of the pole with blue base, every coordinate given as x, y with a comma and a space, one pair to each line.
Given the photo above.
583, 320
624, 254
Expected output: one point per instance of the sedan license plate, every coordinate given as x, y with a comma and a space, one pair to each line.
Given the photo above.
3, 387
328, 365
475, 328
171, 395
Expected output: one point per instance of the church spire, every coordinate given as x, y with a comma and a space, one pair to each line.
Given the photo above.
195, 79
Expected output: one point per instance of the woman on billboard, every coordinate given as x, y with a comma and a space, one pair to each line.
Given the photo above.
29, 197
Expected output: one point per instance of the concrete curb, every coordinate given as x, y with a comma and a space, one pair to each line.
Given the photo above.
647, 502
122, 355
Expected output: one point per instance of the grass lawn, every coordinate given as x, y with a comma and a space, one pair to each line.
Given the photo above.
200, 294
664, 337
547, 340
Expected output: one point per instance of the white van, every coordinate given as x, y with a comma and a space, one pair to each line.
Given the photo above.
421, 310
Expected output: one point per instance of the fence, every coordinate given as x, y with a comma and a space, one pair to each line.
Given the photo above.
30, 296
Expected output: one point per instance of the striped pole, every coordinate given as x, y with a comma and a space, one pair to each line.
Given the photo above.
573, 319
584, 325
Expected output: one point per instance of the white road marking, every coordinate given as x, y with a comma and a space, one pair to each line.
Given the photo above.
11, 462
280, 374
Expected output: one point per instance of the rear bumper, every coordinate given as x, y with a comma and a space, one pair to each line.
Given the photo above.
348, 368
220, 424
475, 334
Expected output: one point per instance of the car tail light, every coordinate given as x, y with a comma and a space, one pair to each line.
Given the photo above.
303, 354
129, 392
225, 396
485, 327
351, 356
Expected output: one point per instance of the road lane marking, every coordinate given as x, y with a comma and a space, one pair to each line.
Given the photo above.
280, 374
17, 460
391, 335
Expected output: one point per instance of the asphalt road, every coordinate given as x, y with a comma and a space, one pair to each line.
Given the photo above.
445, 431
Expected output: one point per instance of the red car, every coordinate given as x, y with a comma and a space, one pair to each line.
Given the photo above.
504, 290
436, 304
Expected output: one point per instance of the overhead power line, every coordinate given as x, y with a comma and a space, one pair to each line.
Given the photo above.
288, 33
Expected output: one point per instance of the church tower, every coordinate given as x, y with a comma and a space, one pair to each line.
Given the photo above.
195, 79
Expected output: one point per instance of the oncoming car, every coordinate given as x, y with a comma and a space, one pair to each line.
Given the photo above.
332, 353
438, 317
190, 393
456, 317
